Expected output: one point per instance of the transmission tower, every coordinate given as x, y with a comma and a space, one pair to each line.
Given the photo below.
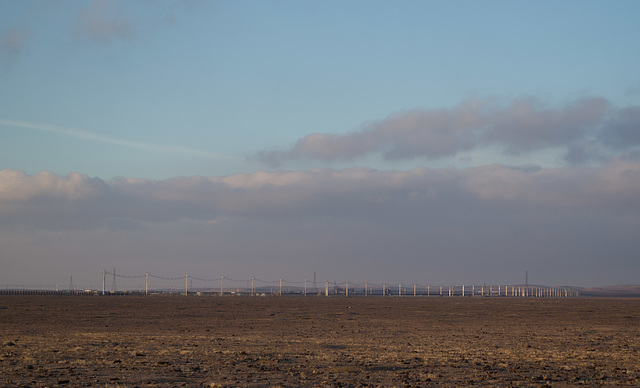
114, 286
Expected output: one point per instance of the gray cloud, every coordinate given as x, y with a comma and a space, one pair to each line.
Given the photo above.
102, 21
12, 42
570, 224
587, 128
585, 151
431, 134
623, 128
526, 125
632, 91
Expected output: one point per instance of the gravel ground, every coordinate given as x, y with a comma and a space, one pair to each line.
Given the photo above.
212, 341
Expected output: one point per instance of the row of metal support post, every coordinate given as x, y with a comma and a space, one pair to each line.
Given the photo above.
515, 291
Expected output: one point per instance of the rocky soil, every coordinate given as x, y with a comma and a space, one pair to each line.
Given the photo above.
212, 341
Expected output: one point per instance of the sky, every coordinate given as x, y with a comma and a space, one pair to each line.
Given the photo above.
457, 142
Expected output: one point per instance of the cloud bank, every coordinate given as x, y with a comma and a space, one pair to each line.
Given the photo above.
574, 224
44, 199
589, 129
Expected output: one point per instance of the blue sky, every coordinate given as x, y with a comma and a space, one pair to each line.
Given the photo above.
249, 90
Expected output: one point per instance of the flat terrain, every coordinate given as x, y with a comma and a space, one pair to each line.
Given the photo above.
129, 341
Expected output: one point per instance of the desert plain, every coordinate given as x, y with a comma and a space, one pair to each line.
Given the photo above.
289, 341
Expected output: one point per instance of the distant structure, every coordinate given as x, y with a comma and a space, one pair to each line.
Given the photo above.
293, 287
114, 286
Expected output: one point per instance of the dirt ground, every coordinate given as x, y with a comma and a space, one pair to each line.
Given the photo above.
211, 341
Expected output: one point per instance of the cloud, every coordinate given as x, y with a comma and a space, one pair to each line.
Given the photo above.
359, 193
17, 186
91, 136
526, 125
102, 22
585, 151
632, 91
574, 224
623, 128
587, 128
12, 43
431, 134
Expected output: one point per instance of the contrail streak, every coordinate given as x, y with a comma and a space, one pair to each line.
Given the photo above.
91, 136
